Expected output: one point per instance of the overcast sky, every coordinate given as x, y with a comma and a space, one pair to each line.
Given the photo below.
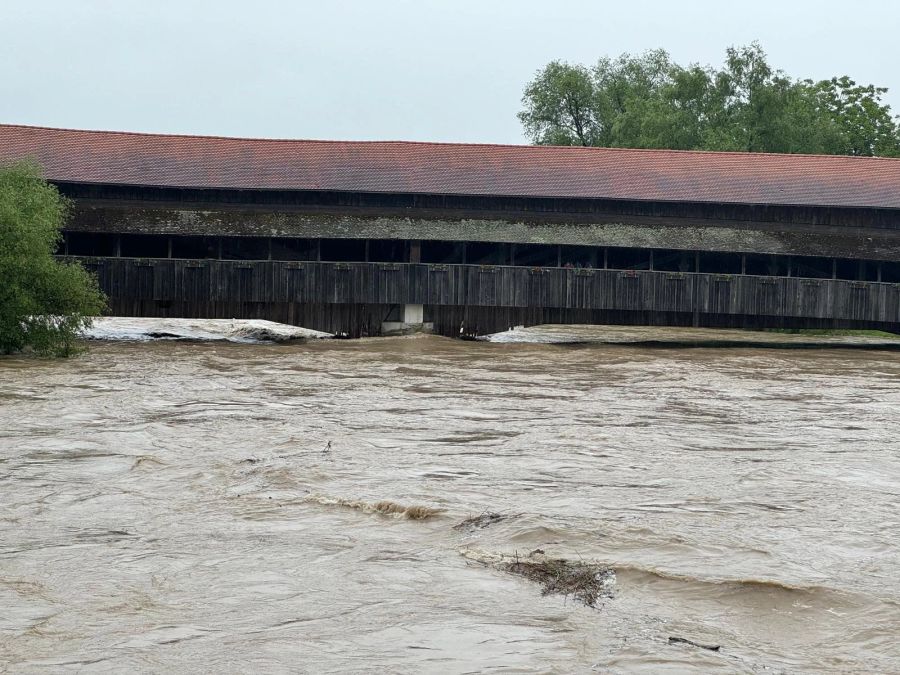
444, 70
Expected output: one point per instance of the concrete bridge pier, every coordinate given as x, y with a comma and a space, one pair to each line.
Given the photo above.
412, 320
413, 315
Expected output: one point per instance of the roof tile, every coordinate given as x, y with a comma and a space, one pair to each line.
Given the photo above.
461, 169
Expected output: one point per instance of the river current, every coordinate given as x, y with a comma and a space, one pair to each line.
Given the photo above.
190, 507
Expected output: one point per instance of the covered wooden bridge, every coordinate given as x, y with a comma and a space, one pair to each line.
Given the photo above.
366, 237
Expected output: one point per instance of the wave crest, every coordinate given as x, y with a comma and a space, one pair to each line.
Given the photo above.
384, 507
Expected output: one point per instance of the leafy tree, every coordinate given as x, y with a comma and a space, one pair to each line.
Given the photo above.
676, 116
647, 101
864, 124
561, 107
44, 303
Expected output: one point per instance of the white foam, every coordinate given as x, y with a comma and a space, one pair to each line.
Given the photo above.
231, 330
599, 334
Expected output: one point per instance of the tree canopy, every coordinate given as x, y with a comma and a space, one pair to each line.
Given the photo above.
44, 303
647, 101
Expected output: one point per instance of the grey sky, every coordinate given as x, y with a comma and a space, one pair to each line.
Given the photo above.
448, 70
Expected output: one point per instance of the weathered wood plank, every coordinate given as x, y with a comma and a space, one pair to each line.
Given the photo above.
514, 293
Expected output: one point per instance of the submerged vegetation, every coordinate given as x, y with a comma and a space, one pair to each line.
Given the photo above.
584, 581
479, 522
44, 303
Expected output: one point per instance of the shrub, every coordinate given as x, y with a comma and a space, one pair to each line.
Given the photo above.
44, 303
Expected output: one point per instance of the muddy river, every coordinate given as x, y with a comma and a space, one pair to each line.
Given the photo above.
190, 507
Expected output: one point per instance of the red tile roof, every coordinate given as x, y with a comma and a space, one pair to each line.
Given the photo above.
448, 168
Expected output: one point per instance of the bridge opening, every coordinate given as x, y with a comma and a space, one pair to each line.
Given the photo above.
342, 250
244, 248
108, 245
202, 248
388, 250
856, 270
91, 244
443, 252
292, 249
673, 261
487, 253
144, 246
890, 272
712, 262
812, 268
536, 255
762, 265
579, 256
628, 258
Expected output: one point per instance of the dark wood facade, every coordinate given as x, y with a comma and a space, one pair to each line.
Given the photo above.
354, 298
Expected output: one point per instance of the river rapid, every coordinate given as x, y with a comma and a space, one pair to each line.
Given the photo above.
190, 507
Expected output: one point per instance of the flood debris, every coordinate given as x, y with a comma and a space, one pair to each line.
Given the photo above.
584, 581
482, 521
680, 640
384, 507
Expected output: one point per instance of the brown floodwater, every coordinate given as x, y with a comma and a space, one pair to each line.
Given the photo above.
191, 507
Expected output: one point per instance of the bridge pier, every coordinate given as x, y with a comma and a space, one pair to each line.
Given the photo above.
412, 320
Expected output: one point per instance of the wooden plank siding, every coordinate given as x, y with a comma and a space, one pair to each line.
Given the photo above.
199, 286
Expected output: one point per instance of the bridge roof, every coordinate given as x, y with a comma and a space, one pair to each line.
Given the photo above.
160, 160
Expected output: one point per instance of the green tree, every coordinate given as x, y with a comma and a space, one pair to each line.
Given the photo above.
863, 122
758, 109
674, 115
560, 107
647, 101
44, 303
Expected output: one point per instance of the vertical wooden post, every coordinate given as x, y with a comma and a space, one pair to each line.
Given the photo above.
651, 259
743, 264
415, 251
696, 261
169, 245
695, 293
606, 257
270, 248
834, 268
558, 255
